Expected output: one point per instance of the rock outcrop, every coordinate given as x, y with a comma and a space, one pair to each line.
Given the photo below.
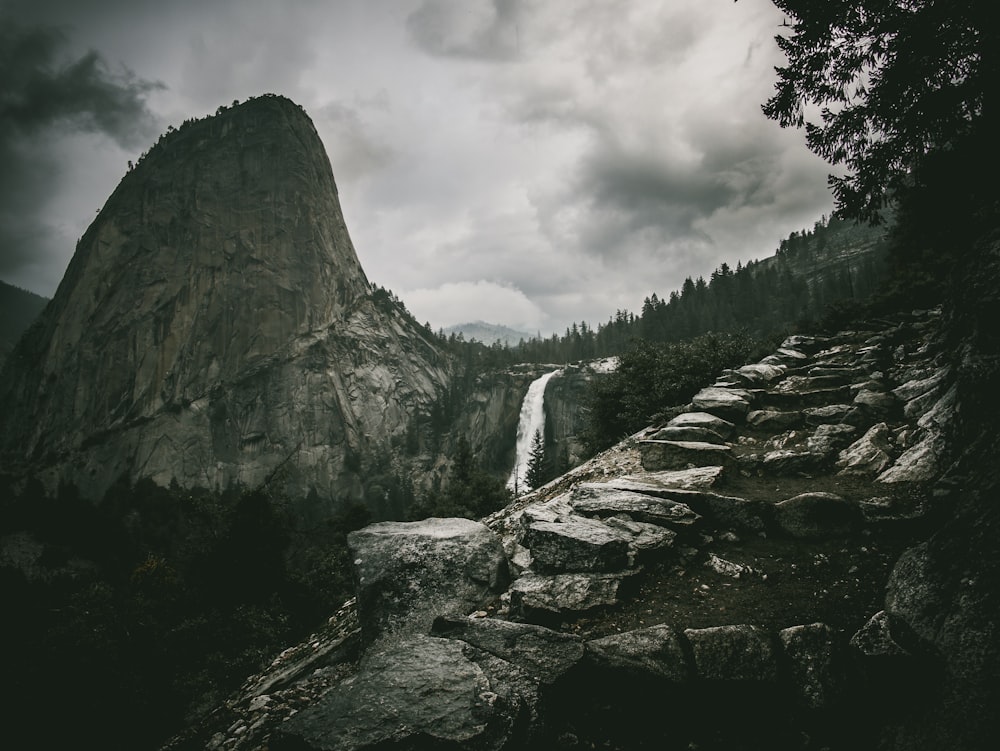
749, 599
215, 327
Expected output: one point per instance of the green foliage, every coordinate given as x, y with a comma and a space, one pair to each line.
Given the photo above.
653, 377
470, 491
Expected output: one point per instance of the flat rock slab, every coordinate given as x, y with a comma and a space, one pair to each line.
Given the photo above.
817, 515
675, 455
542, 653
577, 544
729, 404
596, 499
828, 414
645, 538
689, 433
774, 420
422, 692
695, 478
702, 420
536, 596
653, 652
733, 654
407, 573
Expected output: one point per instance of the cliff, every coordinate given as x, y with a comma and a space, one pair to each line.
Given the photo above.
215, 327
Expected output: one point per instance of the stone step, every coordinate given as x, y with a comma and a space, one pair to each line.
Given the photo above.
541, 598
676, 455
576, 544
597, 499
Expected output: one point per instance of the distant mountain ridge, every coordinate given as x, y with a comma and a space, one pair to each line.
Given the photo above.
488, 333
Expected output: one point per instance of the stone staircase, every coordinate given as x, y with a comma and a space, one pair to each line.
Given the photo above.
728, 563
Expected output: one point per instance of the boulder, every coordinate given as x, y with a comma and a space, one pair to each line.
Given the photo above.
817, 515
654, 652
728, 654
540, 652
577, 544
541, 597
703, 420
419, 693
919, 463
675, 455
815, 663
408, 573
879, 639
596, 499
728, 404
868, 455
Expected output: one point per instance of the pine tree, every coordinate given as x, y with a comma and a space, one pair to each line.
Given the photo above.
536, 474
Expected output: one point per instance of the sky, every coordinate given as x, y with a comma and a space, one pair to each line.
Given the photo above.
524, 162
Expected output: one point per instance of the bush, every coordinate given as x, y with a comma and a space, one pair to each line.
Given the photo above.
652, 377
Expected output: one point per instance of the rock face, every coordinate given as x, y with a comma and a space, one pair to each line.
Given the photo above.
215, 325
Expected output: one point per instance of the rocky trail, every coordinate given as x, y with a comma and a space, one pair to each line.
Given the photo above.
718, 581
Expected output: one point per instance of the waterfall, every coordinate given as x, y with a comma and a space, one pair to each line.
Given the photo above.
531, 421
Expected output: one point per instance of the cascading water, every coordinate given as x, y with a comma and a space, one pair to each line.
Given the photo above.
531, 421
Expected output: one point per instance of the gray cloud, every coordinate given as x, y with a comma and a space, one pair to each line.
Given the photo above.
560, 158
47, 92
477, 29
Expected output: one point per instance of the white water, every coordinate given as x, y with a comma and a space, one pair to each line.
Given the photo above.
531, 421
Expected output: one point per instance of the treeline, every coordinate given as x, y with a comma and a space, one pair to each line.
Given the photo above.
812, 272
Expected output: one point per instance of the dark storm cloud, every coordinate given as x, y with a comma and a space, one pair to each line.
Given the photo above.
459, 28
44, 92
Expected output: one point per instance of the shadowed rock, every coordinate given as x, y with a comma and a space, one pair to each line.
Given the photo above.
728, 654
653, 652
420, 693
542, 653
408, 573
816, 666
812, 515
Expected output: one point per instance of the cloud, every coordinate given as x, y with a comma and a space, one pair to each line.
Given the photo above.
462, 302
47, 94
476, 29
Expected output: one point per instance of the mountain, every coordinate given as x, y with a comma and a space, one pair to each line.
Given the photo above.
487, 333
215, 327
18, 308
